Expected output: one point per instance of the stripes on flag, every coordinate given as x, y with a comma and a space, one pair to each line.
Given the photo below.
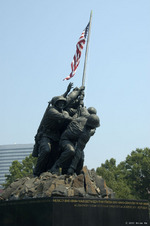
79, 47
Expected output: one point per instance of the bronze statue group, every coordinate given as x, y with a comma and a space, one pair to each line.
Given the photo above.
64, 131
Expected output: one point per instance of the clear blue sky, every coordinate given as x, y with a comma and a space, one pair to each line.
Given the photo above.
37, 44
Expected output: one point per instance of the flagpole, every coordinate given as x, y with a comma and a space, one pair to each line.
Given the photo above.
86, 52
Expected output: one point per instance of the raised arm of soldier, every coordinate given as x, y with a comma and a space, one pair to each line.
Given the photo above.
69, 87
74, 95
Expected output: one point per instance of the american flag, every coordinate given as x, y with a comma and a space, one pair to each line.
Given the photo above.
79, 47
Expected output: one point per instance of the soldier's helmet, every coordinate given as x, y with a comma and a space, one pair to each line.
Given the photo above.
92, 110
56, 99
93, 121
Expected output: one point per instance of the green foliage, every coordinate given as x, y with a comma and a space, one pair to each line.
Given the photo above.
111, 173
19, 170
137, 167
131, 178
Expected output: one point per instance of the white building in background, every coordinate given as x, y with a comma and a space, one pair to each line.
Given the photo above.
9, 153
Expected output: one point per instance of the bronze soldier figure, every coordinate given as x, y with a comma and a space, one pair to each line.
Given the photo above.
72, 143
54, 122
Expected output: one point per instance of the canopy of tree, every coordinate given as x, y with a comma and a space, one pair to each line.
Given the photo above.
19, 170
130, 179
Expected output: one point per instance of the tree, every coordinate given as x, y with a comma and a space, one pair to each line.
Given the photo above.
111, 173
137, 167
131, 178
19, 170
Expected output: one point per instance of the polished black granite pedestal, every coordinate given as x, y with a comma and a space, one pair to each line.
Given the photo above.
73, 212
